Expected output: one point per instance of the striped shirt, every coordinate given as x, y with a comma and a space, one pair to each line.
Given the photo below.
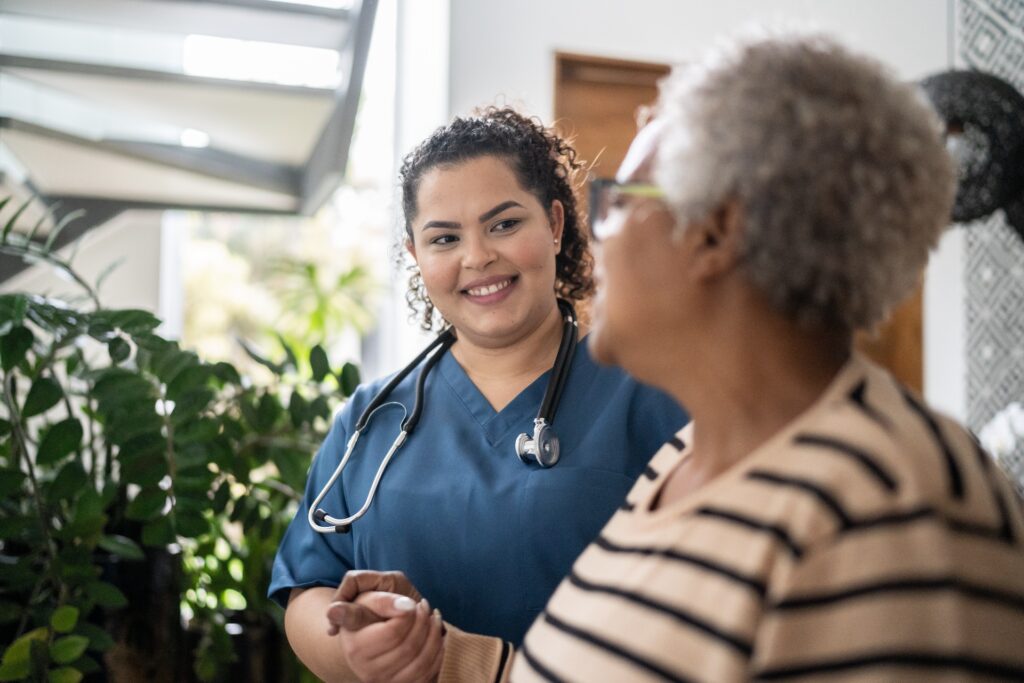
870, 540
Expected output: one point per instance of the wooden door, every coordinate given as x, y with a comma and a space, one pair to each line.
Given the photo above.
597, 101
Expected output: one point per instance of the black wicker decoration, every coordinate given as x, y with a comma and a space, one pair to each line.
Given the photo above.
985, 132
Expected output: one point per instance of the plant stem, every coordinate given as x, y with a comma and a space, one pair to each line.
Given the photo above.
21, 446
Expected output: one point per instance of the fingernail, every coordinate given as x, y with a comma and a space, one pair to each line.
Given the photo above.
425, 606
437, 616
404, 604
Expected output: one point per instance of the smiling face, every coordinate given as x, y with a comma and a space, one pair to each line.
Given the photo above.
486, 248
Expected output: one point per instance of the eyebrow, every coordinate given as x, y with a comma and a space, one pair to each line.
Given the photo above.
485, 216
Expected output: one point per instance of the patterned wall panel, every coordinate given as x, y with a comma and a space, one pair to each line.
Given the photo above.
990, 37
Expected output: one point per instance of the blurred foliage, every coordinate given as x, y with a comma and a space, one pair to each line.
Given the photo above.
266, 278
116, 443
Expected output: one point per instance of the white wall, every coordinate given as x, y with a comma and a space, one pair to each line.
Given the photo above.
133, 238
506, 49
504, 52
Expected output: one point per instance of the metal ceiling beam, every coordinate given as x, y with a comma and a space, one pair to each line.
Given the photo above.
263, 20
326, 166
209, 162
152, 75
94, 215
271, 6
97, 211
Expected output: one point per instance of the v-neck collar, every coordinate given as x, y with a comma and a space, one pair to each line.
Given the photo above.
517, 416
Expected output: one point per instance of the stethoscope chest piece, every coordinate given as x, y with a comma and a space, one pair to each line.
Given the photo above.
542, 448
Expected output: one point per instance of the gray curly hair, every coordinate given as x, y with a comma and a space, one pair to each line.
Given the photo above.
841, 171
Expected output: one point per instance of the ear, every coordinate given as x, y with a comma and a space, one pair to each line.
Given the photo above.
557, 218
717, 241
411, 248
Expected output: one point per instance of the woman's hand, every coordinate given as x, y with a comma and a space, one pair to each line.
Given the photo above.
359, 581
386, 636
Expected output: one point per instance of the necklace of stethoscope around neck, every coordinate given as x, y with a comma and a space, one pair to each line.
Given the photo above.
541, 448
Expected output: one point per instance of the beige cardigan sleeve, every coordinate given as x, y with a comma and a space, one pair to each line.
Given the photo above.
472, 658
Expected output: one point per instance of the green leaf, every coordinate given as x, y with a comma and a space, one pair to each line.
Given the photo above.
14, 345
44, 394
197, 484
133, 421
173, 362
192, 524
101, 331
64, 618
67, 649
146, 471
19, 650
348, 379
99, 640
267, 412
190, 404
201, 431
106, 595
69, 481
66, 219
291, 361
116, 387
298, 409
276, 368
292, 465
87, 665
227, 373
319, 363
10, 481
119, 349
142, 445
65, 674
15, 672
130, 320
189, 379
147, 504
159, 532
12, 311
320, 408
12, 221
5, 427
122, 546
60, 440
90, 505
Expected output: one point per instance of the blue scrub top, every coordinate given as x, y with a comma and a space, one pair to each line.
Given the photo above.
484, 537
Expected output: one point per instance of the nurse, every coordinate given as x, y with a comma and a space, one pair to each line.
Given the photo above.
492, 223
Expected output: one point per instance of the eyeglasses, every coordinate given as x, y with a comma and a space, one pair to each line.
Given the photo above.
608, 200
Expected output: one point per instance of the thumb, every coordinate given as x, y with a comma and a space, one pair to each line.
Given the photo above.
372, 607
349, 616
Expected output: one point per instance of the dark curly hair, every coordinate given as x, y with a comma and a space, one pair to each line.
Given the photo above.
545, 165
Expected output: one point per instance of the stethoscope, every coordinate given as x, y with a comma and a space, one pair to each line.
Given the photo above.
542, 448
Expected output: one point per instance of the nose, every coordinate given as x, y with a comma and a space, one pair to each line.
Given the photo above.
478, 253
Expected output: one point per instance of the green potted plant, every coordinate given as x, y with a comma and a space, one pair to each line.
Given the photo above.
139, 484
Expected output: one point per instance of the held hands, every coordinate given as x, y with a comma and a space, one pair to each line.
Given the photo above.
387, 632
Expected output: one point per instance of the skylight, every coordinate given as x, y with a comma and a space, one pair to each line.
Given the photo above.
251, 60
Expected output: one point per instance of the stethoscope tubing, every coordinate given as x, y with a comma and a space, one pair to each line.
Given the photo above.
323, 523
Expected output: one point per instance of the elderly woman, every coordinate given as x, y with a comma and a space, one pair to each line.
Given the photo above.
816, 518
